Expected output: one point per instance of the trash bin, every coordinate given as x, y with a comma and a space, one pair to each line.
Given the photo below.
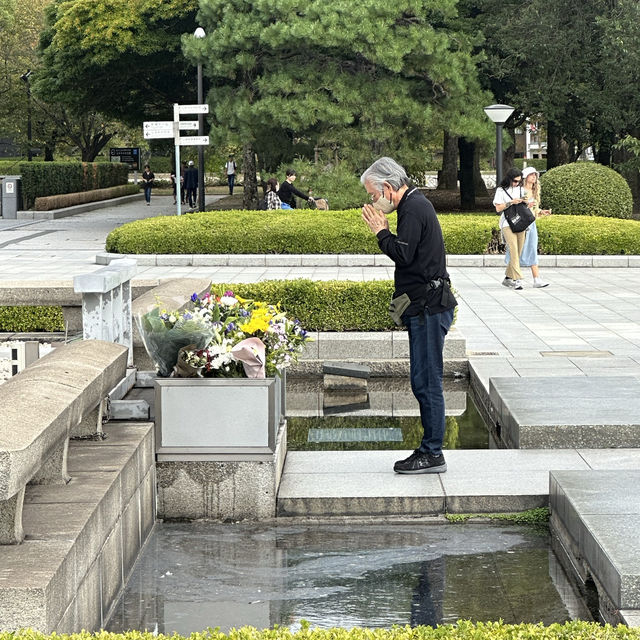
10, 197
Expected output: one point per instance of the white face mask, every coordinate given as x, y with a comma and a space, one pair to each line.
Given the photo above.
383, 205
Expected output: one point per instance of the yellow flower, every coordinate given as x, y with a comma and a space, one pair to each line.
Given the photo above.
259, 320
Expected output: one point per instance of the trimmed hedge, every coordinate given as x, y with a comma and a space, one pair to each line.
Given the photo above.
325, 305
52, 178
46, 203
588, 235
343, 232
285, 232
462, 630
586, 188
25, 319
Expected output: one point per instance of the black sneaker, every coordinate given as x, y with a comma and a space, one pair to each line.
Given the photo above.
419, 462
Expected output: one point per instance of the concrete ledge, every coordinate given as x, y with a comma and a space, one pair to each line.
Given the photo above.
81, 539
354, 260
593, 412
595, 518
55, 214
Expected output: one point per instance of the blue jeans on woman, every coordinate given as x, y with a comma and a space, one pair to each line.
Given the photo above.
426, 343
147, 194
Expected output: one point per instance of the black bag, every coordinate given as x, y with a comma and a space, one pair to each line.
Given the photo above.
262, 205
518, 216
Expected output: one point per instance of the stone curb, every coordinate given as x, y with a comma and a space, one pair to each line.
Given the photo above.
348, 260
55, 214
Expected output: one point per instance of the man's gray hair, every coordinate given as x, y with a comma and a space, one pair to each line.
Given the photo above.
385, 170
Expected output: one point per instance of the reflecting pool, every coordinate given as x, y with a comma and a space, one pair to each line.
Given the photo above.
198, 575
381, 415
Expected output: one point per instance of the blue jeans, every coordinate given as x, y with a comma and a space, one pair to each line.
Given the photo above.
147, 194
426, 342
231, 178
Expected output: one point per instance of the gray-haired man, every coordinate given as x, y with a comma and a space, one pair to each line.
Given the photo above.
422, 297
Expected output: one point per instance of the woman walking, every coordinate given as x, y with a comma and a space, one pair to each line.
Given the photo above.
147, 182
510, 192
529, 255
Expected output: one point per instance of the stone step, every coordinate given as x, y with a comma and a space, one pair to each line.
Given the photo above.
350, 483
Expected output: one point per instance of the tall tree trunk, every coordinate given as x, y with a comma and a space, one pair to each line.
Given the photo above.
557, 148
509, 153
478, 182
448, 175
250, 197
466, 149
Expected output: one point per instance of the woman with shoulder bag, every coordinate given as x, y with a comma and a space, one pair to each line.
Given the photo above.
529, 255
510, 192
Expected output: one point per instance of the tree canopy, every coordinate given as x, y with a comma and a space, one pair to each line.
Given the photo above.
367, 77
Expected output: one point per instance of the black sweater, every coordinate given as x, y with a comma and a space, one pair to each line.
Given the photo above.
286, 192
417, 251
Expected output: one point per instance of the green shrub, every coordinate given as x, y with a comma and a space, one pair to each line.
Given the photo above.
325, 305
462, 630
285, 232
53, 178
586, 188
588, 235
338, 184
25, 319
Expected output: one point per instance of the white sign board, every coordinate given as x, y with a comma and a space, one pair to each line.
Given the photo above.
158, 129
193, 140
9, 187
189, 124
193, 108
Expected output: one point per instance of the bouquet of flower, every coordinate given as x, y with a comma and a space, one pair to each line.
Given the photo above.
240, 337
164, 333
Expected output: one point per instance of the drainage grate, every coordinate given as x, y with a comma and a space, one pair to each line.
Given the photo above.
482, 353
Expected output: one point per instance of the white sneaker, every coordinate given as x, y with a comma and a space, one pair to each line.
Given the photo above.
517, 285
508, 282
538, 283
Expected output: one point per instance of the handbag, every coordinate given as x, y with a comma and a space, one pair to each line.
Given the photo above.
518, 216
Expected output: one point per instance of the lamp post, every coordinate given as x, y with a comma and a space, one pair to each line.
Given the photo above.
498, 113
199, 33
25, 78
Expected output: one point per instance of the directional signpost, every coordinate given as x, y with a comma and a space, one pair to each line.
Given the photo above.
171, 129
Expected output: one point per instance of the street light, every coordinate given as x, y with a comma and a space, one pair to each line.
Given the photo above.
199, 33
498, 113
25, 78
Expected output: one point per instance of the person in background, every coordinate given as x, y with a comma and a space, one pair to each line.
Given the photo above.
510, 192
173, 185
529, 255
273, 201
191, 184
183, 193
230, 168
147, 182
288, 191
422, 301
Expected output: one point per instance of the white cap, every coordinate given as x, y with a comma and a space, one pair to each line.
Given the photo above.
191, 163
528, 171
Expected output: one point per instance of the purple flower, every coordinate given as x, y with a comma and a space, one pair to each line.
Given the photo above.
187, 316
194, 297
228, 293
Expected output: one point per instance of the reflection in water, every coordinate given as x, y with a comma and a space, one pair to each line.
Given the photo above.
199, 575
322, 420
